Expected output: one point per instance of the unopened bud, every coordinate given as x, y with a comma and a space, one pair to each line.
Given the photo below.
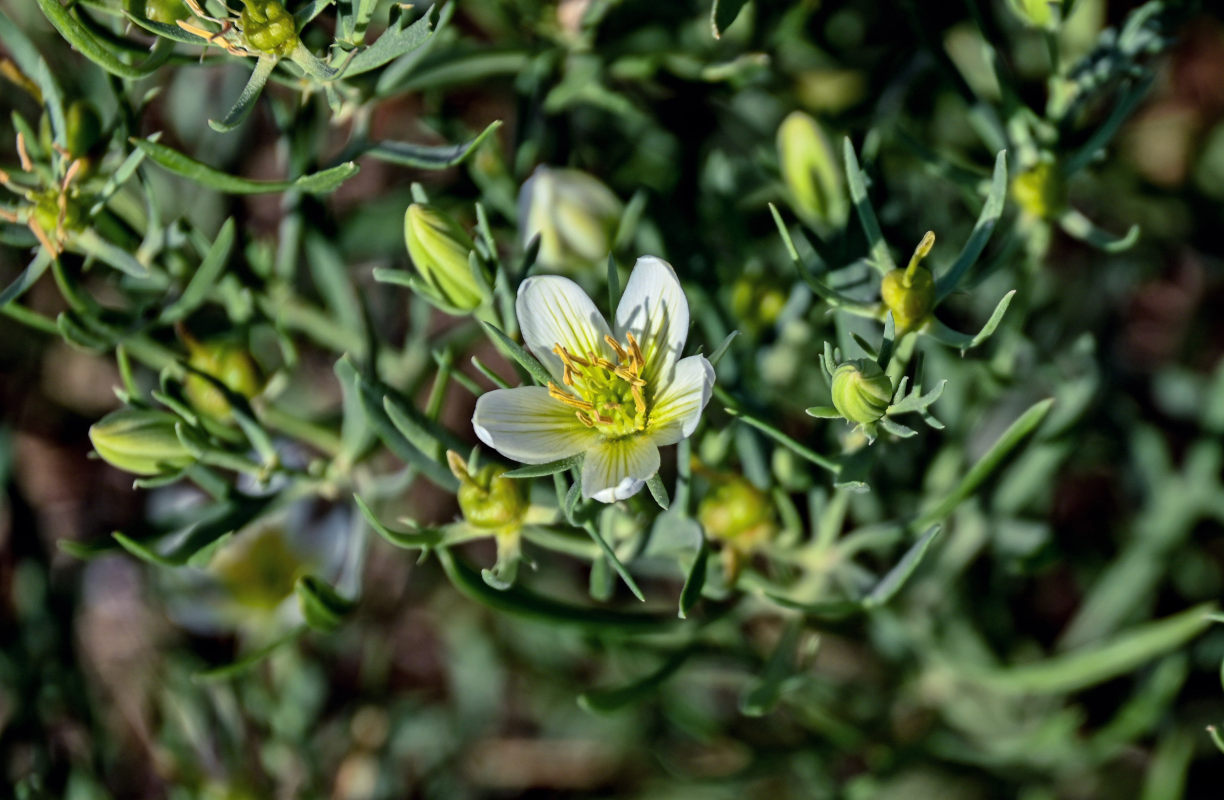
910, 293
227, 363
140, 441
167, 12
1040, 190
738, 513
268, 27
811, 171
440, 250
1037, 13
574, 215
488, 500
861, 391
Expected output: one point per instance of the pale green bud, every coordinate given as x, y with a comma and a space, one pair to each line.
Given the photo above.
1040, 190
140, 441
861, 391
440, 248
229, 364
268, 27
574, 215
910, 293
812, 172
1038, 13
737, 513
488, 500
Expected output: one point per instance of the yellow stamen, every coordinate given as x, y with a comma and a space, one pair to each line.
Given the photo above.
637, 351
615, 345
557, 393
584, 419
26, 163
638, 399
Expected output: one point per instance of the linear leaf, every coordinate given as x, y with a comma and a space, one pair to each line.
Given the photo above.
982, 229
322, 182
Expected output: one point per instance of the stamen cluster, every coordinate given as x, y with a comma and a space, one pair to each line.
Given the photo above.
606, 395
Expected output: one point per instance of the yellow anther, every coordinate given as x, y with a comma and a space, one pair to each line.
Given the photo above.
615, 345
584, 419
26, 163
638, 399
637, 351
557, 393
603, 363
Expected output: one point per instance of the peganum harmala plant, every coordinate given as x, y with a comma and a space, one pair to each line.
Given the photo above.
541, 405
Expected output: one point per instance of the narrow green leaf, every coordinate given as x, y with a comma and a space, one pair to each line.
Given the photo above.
423, 538
722, 14
397, 40
83, 40
521, 601
604, 701
205, 278
322, 606
881, 259
694, 581
37, 266
988, 463
781, 438
901, 572
1080, 227
247, 661
519, 354
423, 156
982, 229
327, 180
658, 491
1088, 666
246, 100
32, 64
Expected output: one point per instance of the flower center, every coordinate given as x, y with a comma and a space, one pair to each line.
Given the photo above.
605, 395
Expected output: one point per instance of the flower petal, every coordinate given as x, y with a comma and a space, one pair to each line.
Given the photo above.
553, 310
527, 425
676, 410
616, 469
654, 309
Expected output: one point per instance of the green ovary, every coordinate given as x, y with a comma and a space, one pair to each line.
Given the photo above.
610, 397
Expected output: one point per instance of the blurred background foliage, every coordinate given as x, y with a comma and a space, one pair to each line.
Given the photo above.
1052, 644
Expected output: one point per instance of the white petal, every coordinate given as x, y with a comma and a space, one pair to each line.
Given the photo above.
527, 425
654, 309
553, 310
618, 468
676, 410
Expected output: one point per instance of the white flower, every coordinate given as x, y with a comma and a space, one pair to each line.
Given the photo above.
616, 396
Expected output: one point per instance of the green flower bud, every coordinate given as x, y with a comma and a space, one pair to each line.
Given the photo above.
1040, 191
756, 302
268, 27
258, 567
812, 172
228, 363
140, 441
167, 12
738, 513
440, 248
910, 293
83, 128
1037, 13
574, 215
487, 500
861, 391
